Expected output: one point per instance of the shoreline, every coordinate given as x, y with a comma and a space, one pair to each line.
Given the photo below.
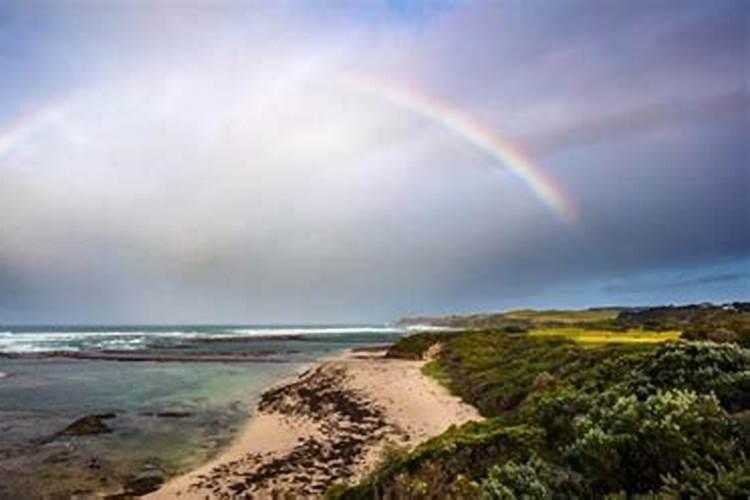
331, 422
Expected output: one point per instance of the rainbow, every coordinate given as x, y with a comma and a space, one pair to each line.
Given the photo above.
470, 130
438, 112
20, 129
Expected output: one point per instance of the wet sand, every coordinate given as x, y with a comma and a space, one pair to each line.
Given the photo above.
329, 424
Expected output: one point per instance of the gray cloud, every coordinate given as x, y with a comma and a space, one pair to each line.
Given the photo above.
686, 283
208, 168
677, 113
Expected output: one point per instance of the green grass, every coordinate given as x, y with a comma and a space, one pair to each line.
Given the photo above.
599, 337
436, 372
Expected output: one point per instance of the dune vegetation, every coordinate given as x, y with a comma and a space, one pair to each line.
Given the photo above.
582, 411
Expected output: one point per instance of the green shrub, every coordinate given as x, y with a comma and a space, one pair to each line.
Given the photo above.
495, 372
414, 346
628, 444
511, 481
530, 480
447, 464
718, 335
555, 412
703, 367
618, 421
717, 481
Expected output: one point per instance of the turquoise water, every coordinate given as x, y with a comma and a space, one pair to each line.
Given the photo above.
41, 395
60, 390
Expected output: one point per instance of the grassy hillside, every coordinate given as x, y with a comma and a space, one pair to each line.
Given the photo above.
592, 337
579, 413
720, 323
521, 318
561, 316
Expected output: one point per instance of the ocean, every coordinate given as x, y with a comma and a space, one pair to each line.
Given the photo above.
178, 394
22, 339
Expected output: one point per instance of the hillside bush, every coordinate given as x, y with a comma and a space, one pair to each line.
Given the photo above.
627, 444
623, 421
703, 367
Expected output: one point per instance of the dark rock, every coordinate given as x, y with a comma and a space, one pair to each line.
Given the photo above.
88, 425
169, 414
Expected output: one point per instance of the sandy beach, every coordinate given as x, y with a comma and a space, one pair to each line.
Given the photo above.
328, 424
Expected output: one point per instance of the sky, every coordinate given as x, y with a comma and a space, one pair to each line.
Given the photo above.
332, 161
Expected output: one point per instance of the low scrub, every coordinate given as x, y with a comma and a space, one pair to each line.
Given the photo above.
664, 420
448, 466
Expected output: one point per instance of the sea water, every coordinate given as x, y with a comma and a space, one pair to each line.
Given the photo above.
169, 416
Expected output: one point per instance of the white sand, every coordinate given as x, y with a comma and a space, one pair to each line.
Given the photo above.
413, 407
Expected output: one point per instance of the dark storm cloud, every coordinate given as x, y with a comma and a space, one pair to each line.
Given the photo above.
688, 283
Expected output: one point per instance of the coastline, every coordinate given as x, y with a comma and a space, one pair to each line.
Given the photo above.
330, 423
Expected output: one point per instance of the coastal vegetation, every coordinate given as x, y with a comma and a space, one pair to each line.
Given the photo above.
695, 322
584, 405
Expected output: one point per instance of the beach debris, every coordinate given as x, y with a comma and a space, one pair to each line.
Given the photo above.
349, 426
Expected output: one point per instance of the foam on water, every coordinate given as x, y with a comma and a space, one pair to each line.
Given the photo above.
431, 328
26, 339
266, 332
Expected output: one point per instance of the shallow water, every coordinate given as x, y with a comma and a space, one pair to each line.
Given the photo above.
40, 397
